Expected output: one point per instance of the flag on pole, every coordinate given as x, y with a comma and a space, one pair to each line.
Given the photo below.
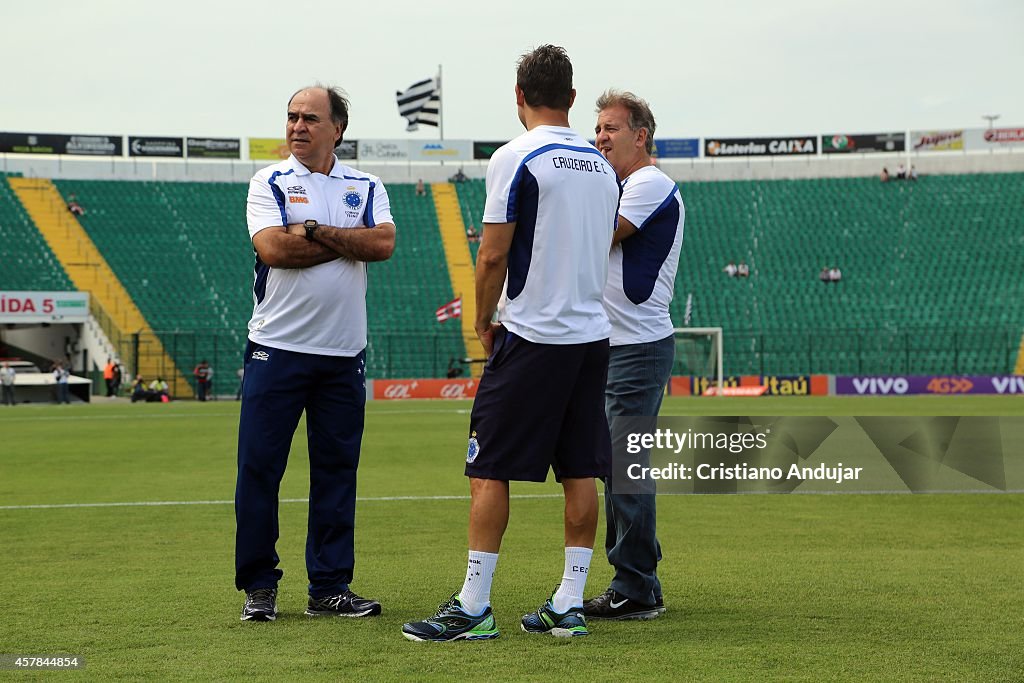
420, 103
452, 309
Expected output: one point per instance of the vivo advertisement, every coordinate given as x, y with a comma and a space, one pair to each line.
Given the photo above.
899, 385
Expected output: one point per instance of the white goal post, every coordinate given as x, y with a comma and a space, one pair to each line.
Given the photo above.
714, 358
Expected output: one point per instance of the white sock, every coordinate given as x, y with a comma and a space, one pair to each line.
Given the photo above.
475, 595
574, 579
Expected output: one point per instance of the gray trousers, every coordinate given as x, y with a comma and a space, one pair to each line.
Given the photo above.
637, 375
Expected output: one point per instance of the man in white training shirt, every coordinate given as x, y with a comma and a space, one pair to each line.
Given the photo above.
548, 224
641, 277
314, 224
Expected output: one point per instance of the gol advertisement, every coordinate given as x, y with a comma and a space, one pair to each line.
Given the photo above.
393, 389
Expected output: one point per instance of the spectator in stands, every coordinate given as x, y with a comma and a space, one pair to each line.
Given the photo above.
202, 373
307, 352
158, 391
421, 190
742, 270
472, 235
7, 383
834, 274
138, 389
901, 172
642, 342
61, 375
912, 175
108, 377
459, 176
117, 377
74, 207
885, 175
453, 369
730, 269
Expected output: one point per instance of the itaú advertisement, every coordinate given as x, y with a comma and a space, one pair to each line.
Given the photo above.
44, 307
395, 389
901, 385
751, 385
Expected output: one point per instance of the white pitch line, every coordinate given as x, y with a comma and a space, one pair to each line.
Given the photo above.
156, 416
161, 503
386, 499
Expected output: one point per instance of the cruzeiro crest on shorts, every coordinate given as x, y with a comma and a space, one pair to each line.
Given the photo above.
474, 448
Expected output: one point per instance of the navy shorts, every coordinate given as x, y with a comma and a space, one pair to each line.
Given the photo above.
540, 406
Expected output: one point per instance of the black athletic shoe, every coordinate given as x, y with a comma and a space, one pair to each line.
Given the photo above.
260, 605
346, 604
659, 603
612, 605
452, 622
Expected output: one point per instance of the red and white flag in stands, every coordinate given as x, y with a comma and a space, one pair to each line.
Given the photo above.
452, 309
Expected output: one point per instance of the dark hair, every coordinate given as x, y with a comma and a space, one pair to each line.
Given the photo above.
338, 102
640, 115
545, 77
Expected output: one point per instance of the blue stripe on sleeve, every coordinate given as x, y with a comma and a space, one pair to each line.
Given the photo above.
278, 195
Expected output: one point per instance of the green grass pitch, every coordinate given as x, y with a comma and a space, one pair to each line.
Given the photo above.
792, 587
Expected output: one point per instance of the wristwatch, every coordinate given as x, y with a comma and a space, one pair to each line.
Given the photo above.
311, 227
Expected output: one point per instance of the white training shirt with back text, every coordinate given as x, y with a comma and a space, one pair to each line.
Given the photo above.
642, 267
320, 309
562, 195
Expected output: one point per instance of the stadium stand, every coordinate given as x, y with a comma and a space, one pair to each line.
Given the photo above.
183, 252
28, 262
472, 194
461, 262
87, 269
404, 291
930, 273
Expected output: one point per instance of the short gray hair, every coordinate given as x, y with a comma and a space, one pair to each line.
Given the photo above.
339, 104
640, 115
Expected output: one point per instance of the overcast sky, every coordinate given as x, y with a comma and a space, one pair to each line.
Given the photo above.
715, 68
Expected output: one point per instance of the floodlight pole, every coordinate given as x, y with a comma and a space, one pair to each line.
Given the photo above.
991, 118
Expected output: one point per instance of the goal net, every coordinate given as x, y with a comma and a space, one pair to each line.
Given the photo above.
699, 353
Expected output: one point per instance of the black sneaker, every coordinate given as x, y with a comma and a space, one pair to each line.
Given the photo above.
452, 622
612, 605
346, 604
260, 605
659, 603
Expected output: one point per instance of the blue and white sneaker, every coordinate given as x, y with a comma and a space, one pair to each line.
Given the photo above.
569, 624
452, 622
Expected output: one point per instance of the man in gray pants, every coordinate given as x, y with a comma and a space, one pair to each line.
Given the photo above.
641, 276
